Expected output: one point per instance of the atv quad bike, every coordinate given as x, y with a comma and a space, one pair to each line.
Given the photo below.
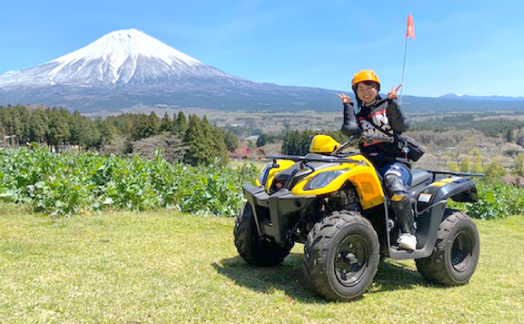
334, 203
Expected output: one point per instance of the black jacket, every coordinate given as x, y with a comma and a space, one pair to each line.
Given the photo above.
383, 120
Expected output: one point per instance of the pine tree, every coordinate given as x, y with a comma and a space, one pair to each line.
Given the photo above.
205, 142
58, 127
220, 145
38, 126
145, 126
22, 114
166, 125
76, 128
180, 124
262, 140
196, 141
107, 131
231, 141
154, 123
305, 141
12, 124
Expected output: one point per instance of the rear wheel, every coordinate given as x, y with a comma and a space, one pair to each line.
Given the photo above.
456, 253
250, 245
341, 256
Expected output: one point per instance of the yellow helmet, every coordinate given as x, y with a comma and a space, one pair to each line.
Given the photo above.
365, 75
323, 144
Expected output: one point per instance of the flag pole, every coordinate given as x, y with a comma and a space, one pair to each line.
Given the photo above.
409, 33
403, 69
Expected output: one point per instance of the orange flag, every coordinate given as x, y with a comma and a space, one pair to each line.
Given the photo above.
411, 28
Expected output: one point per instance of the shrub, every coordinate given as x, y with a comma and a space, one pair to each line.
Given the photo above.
496, 201
65, 184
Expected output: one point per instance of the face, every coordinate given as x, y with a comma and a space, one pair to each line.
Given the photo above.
367, 93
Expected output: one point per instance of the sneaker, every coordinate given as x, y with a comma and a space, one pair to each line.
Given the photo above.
407, 242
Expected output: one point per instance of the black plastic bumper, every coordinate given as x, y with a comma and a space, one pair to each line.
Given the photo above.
275, 213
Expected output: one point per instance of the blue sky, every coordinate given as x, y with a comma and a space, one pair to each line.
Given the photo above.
461, 46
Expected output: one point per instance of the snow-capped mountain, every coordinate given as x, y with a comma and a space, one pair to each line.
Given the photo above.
128, 68
125, 57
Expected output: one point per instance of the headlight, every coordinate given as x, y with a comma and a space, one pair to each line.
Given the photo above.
262, 178
323, 179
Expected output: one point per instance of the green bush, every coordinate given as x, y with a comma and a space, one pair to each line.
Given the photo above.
496, 201
65, 184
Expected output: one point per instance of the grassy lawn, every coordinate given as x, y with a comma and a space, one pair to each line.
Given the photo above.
164, 267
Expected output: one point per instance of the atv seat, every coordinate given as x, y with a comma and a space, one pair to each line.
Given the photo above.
420, 176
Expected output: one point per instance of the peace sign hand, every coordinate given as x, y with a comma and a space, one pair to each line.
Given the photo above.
344, 97
393, 93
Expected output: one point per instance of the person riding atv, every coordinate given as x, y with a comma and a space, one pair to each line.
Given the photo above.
335, 202
383, 119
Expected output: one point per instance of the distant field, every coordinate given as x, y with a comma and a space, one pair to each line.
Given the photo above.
164, 267
259, 164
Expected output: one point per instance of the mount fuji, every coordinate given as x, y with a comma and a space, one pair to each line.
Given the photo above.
128, 68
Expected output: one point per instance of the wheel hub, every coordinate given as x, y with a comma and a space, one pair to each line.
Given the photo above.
351, 260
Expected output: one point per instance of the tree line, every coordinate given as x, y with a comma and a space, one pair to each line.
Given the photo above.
202, 141
511, 129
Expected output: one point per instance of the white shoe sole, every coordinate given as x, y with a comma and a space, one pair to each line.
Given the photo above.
405, 246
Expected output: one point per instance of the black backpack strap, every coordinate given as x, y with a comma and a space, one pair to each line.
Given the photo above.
394, 135
397, 139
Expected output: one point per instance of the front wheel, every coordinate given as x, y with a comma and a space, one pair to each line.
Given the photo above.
250, 245
456, 253
341, 256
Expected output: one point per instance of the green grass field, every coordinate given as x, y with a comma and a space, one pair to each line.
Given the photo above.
163, 267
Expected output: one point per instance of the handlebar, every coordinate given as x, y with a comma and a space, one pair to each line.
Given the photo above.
354, 139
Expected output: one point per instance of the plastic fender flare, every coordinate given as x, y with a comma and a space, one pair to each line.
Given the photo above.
364, 179
457, 188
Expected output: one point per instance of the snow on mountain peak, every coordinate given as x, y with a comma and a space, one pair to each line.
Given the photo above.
118, 58
120, 45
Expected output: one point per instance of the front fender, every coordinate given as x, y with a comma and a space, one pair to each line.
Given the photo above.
361, 175
271, 170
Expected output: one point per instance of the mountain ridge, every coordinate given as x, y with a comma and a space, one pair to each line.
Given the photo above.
128, 68
494, 97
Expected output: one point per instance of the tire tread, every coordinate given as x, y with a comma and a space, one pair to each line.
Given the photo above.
317, 248
434, 268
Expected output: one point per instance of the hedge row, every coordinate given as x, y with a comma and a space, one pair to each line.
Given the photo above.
65, 184
496, 201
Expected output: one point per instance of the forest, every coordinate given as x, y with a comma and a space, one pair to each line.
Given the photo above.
191, 139
452, 140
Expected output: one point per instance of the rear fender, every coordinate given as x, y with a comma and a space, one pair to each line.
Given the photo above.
457, 188
431, 211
